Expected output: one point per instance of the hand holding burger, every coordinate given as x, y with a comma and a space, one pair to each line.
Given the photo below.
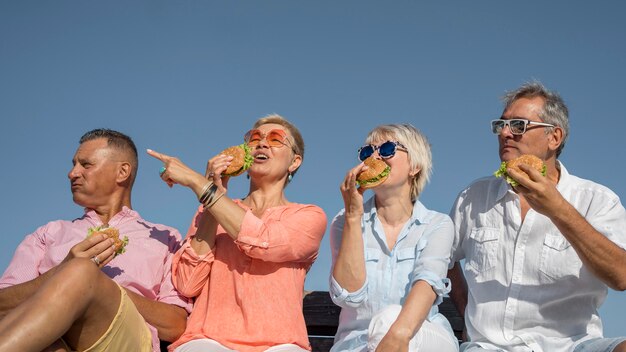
376, 173
112, 233
242, 159
527, 159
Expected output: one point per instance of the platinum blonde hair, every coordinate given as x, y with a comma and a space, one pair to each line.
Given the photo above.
418, 149
554, 110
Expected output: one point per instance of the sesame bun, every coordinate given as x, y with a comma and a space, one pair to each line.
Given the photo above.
527, 159
242, 159
377, 173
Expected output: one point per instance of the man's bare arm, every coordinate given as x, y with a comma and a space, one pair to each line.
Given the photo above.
603, 257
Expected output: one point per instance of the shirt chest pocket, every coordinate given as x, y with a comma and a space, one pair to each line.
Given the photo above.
372, 258
558, 258
482, 248
406, 266
405, 262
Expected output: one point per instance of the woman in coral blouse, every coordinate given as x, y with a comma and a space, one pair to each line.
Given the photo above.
244, 261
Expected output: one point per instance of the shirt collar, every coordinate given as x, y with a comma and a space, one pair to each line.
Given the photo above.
564, 177
503, 189
126, 212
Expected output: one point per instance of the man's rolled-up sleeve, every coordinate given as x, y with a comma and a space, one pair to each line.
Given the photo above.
25, 265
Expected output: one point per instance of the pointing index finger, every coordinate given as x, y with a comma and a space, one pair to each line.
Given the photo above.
157, 155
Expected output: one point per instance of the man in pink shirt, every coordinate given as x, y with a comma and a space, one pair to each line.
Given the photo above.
64, 290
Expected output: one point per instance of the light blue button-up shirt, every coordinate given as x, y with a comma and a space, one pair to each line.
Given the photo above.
421, 252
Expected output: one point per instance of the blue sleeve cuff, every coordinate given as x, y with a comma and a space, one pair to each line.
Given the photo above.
343, 298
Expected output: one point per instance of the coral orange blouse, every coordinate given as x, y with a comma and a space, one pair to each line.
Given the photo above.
248, 292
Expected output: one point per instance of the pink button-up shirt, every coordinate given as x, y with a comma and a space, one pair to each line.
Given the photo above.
249, 291
144, 268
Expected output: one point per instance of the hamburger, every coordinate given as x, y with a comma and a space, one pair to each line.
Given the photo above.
112, 233
527, 159
377, 173
242, 159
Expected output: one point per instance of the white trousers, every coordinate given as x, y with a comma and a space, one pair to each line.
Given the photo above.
430, 337
208, 345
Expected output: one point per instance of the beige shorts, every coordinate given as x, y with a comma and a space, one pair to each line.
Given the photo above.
128, 330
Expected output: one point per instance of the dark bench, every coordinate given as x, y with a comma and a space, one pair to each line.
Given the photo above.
322, 317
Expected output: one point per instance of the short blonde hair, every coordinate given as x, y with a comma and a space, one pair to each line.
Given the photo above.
298, 141
418, 149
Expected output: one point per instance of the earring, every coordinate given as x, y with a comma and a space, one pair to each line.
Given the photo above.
289, 177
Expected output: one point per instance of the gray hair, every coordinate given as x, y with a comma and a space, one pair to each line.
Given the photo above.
554, 110
418, 148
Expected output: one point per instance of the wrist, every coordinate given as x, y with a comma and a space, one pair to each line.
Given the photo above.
561, 210
353, 219
401, 333
198, 183
209, 195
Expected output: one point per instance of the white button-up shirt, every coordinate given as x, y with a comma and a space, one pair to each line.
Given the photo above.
421, 252
528, 289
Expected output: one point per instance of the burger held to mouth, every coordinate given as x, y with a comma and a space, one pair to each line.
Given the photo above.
242, 159
526, 159
376, 173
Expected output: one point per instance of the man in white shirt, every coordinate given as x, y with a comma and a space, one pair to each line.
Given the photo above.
540, 256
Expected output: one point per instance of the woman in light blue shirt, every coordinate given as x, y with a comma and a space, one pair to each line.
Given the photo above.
391, 254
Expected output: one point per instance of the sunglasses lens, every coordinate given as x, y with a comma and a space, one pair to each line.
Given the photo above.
365, 152
387, 150
517, 126
253, 137
497, 126
275, 139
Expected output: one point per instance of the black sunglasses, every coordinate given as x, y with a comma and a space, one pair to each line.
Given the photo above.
386, 150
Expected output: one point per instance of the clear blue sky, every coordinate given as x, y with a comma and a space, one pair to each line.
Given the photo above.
188, 78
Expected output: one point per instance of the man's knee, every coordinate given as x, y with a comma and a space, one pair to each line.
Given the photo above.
80, 268
81, 273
